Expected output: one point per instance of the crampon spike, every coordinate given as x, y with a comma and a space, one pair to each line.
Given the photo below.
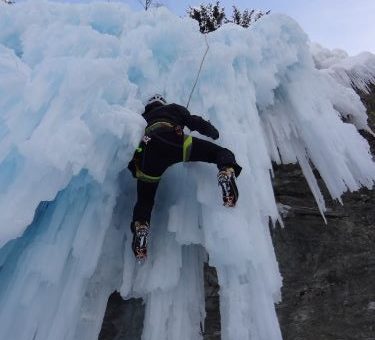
226, 181
140, 238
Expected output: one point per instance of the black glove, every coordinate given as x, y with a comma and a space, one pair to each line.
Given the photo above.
212, 132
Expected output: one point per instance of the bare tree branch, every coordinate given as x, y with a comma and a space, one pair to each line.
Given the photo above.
148, 4
145, 4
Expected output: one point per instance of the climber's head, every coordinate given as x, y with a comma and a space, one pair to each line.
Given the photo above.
156, 98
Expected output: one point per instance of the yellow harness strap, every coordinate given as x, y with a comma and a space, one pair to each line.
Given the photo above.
186, 149
146, 178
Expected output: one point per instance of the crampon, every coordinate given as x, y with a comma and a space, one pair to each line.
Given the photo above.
226, 180
140, 237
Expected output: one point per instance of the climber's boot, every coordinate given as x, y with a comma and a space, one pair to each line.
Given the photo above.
140, 235
227, 182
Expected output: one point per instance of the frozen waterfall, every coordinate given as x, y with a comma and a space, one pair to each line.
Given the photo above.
73, 79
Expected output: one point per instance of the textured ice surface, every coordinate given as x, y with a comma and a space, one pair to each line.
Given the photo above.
73, 79
352, 71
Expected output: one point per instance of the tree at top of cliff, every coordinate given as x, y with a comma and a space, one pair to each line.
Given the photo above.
247, 17
211, 16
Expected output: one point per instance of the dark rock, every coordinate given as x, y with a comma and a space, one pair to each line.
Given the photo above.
212, 325
123, 320
328, 270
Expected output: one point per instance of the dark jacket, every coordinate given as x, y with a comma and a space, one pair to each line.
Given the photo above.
178, 115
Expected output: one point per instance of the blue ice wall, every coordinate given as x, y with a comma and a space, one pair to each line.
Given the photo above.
73, 82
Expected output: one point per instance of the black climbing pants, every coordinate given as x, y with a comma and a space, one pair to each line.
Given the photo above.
164, 150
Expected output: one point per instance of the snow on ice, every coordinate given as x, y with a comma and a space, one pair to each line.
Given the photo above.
352, 71
73, 80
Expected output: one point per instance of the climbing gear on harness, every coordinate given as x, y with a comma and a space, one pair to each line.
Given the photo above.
146, 139
156, 98
140, 232
179, 130
159, 127
226, 180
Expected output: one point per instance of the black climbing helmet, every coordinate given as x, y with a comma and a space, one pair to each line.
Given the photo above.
156, 98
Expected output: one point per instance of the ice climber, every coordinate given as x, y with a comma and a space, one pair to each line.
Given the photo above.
164, 144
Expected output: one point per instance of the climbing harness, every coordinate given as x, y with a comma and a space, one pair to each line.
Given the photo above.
153, 131
160, 126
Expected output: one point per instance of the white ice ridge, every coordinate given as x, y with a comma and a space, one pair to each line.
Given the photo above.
73, 79
352, 71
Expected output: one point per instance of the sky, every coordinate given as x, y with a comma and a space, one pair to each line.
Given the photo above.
344, 24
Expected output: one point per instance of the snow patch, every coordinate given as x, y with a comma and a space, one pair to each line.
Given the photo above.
351, 71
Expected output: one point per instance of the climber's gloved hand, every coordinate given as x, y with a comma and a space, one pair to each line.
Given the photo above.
212, 132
